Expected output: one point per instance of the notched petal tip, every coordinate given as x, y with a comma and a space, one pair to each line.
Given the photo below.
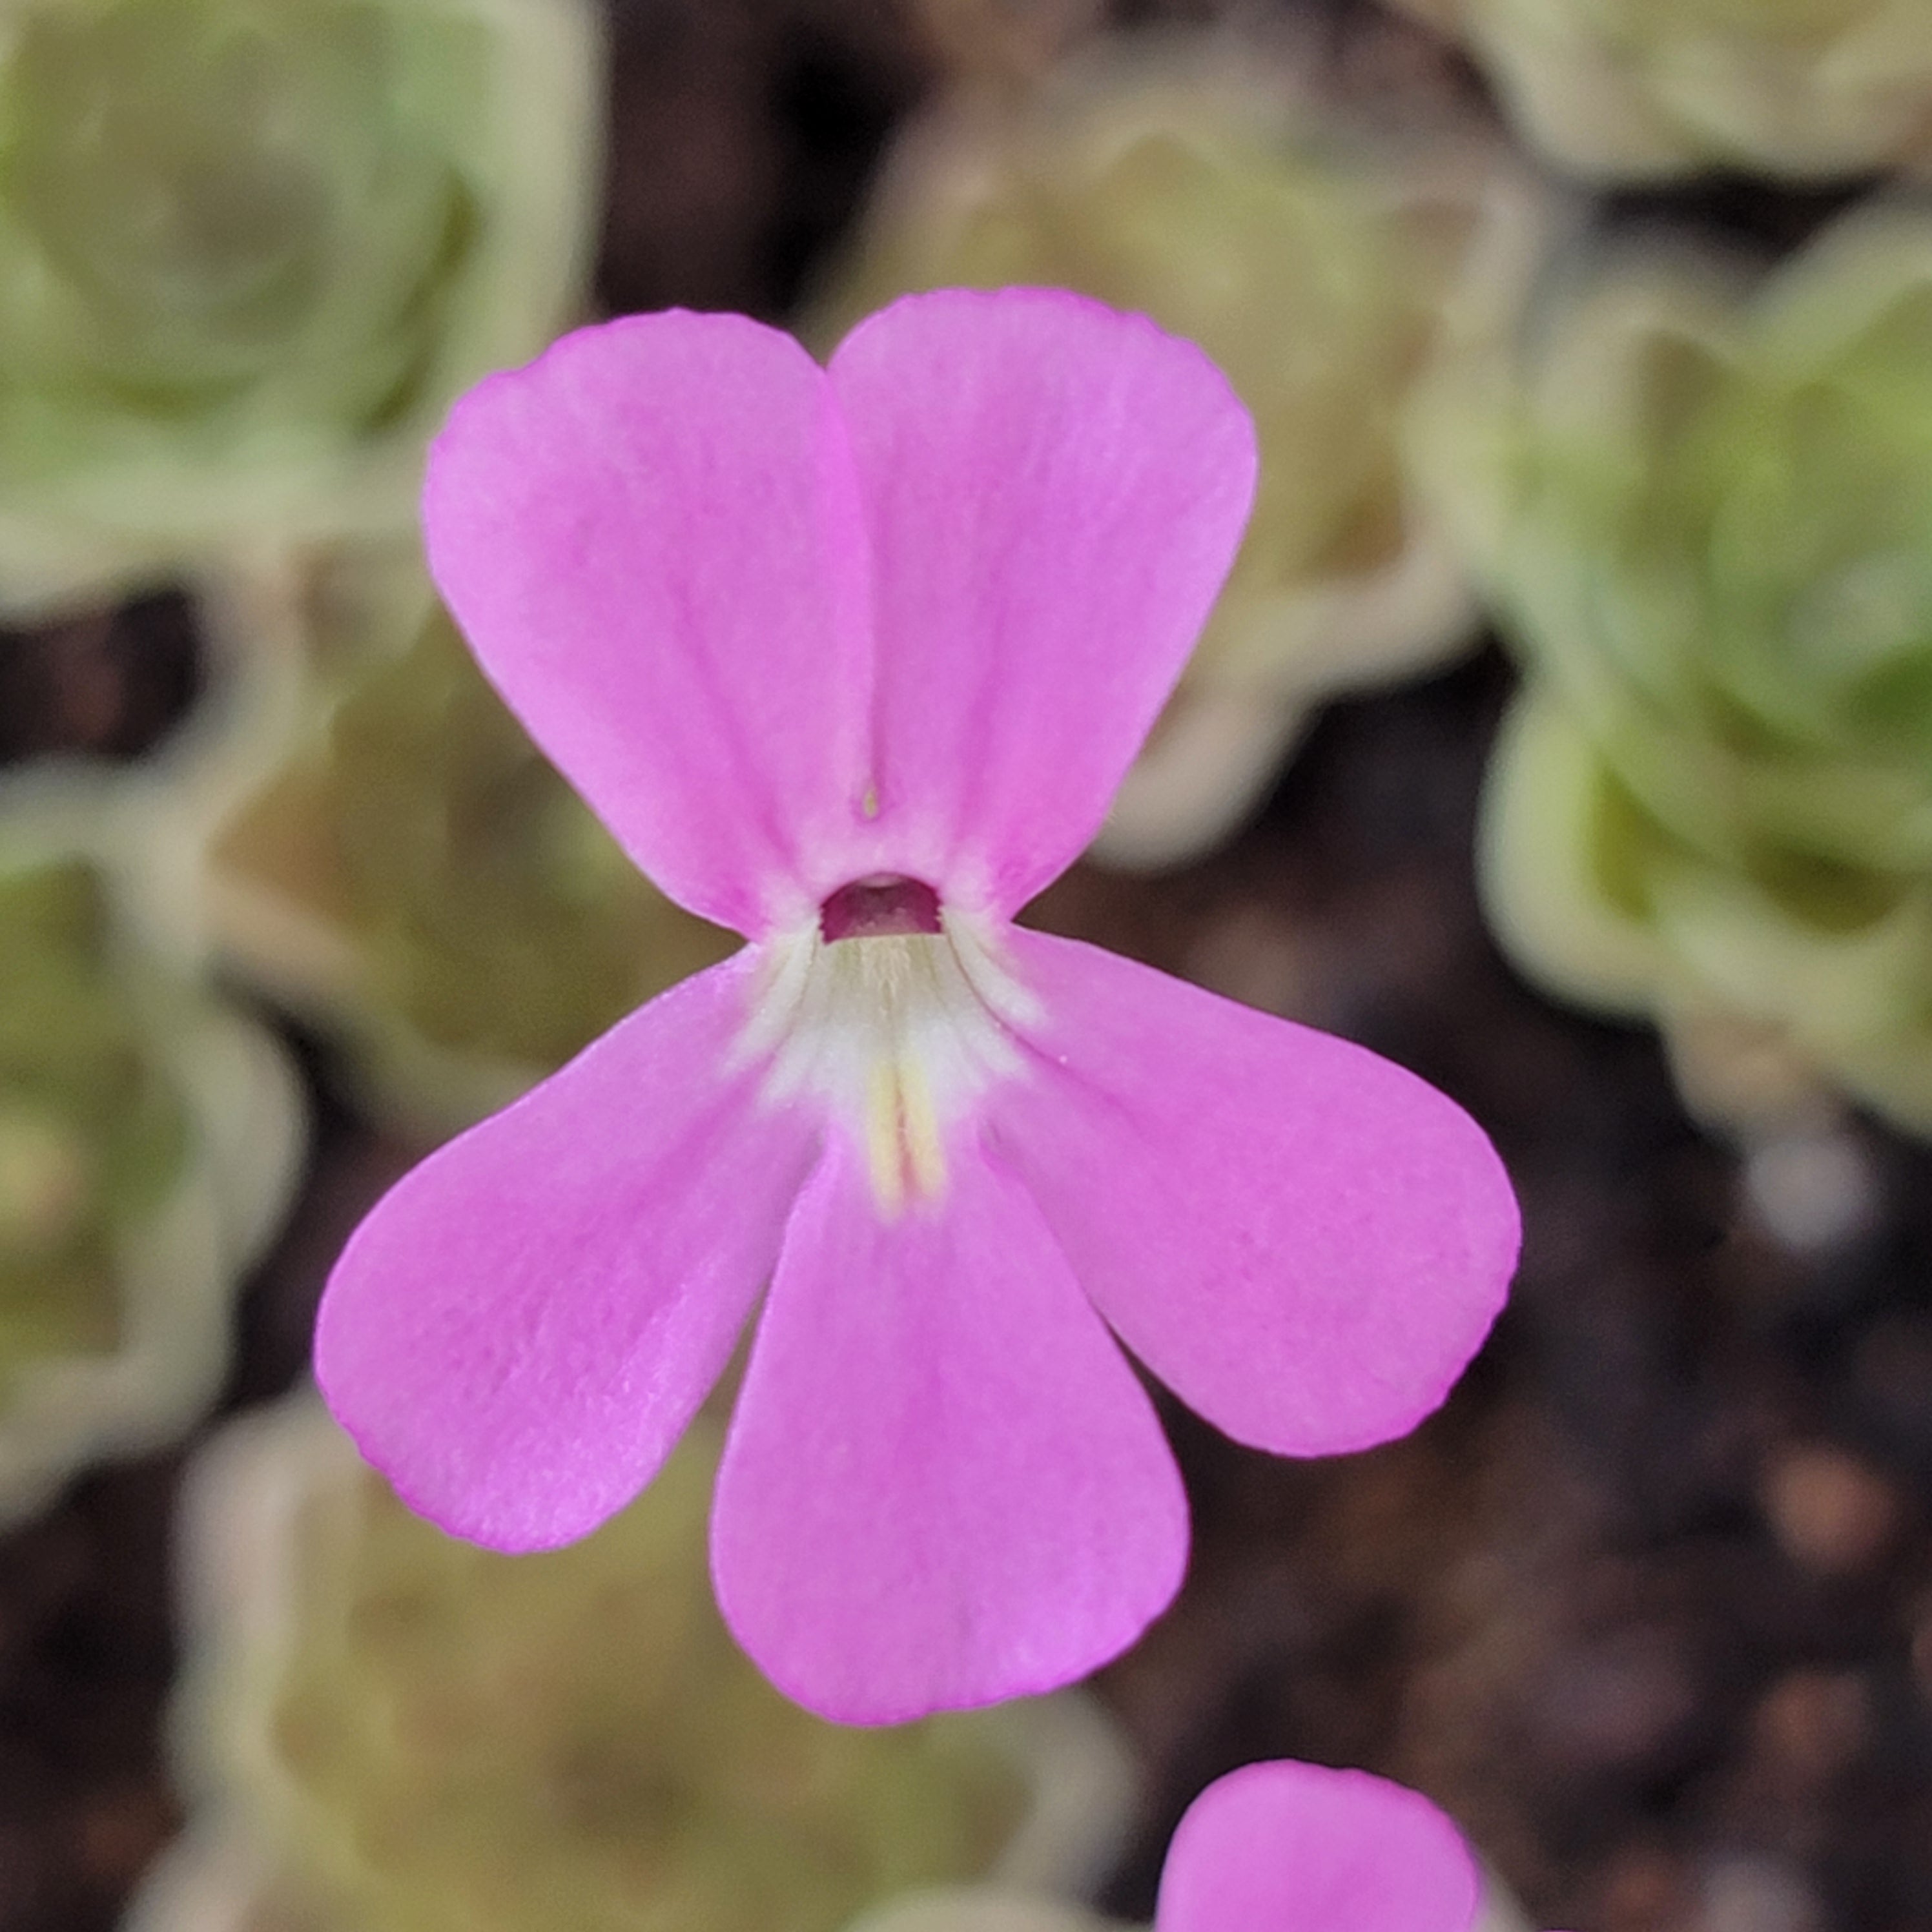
1057, 319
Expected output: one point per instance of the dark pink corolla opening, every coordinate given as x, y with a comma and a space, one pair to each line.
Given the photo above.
883, 906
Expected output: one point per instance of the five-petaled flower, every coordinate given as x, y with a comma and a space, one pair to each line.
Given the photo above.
851, 659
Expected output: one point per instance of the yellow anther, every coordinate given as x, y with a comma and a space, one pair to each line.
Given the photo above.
919, 1120
898, 1034
905, 1151
883, 1155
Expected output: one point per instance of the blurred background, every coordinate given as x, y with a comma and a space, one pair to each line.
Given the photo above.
1565, 732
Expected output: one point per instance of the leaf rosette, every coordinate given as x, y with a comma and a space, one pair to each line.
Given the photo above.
383, 1727
148, 1139
249, 250
1706, 516
1649, 89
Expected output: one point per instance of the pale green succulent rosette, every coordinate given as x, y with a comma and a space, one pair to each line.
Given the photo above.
1325, 265
1651, 89
415, 878
1706, 517
249, 249
1765, 1009
384, 1729
148, 1140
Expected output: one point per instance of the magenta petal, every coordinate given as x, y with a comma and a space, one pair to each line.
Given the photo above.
1054, 492
943, 1485
651, 538
1305, 1242
1288, 1847
521, 1329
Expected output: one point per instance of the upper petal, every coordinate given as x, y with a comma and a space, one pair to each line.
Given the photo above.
1304, 1241
943, 1485
520, 1330
652, 539
1288, 1847
1054, 492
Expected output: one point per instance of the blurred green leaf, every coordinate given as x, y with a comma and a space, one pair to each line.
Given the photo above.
93, 1134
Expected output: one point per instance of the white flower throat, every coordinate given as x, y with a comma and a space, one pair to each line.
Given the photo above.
898, 1013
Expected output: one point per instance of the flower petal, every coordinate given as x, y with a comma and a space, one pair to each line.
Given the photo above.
1304, 1241
652, 539
1288, 1847
1054, 492
943, 1486
520, 1330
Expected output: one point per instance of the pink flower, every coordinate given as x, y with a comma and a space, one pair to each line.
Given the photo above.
851, 659
1288, 1847
1279, 1847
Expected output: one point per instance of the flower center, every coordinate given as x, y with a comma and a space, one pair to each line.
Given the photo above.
898, 1033
884, 906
